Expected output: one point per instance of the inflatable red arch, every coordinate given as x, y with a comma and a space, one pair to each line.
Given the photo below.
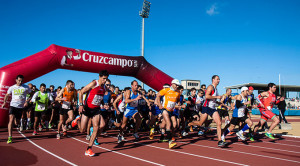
55, 57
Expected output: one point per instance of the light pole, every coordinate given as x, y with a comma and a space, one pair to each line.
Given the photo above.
144, 14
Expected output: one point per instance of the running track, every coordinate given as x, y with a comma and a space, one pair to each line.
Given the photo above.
45, 149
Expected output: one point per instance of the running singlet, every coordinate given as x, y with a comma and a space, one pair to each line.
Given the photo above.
18, 95
240, 112
134, 104
171, 97
211, 103
94, 96
66, 104
193, 102
226, 100
269, 101
107, 98
121, 104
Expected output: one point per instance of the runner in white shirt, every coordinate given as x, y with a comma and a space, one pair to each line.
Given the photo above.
17, 104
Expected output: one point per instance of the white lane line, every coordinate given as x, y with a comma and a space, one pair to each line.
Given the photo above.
281, 144
119, 153
244, 152
291, 140
190, 154
266, 148
47, 151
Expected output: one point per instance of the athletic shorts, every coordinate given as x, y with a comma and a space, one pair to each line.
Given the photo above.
171, 113
119, 117
145, 114
223, 113
64, 111
155, 110
266, 114
39, 113
194, 113
17, 112
90, 113
176, 113
130, 112
236, 120
104, 113
209, 111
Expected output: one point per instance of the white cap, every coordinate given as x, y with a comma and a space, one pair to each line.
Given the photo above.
244, 88
175, 81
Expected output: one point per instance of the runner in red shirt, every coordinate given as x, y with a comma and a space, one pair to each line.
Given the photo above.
266, 101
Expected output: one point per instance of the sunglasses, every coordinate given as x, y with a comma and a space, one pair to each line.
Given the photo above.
107, 84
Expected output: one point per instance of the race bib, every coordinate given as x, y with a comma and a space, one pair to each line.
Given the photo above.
66, 105
97, 100
171, 105
41, 106
134, 103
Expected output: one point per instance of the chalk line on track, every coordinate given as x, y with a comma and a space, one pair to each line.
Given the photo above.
266, 148
245, 153
282, 144
47, 150
97, 146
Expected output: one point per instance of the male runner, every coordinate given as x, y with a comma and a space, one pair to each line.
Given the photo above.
131, 100
266, 102
90, 108
171, 98
209, 108
68, 98
239, 115
225, 106
17, 103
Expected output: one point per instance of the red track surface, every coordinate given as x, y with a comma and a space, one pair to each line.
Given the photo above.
191, 150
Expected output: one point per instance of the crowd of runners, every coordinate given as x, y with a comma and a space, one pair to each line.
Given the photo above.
100, 106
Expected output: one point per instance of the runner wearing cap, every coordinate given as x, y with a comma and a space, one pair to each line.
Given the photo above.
239, 115
17, 103
266, 102
171, 98
209, 108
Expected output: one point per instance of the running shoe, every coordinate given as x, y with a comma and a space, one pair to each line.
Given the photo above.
185, 133
251, 137
9, 140
179, 135
191, 129
162, 139
222, 143
40, 128
119, 138
172, 144
136, 136
240, 136
88, 137
200, 132
34, 133
151, 135
89, 153
173, 139
21, 128
50, 126
96, 141
57, 136
64, 133
231, 133
269, 135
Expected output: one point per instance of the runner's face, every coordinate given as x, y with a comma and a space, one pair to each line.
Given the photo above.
250, 92
245, 93
70, 53
273, 89
51, 89
19, 81
134, 86
193, 93
103, 79
228, 92
216, 80
42, 89
174, 86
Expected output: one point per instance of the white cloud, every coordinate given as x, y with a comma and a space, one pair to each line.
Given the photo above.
212, 10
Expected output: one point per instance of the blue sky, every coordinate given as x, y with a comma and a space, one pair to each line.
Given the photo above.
242, 41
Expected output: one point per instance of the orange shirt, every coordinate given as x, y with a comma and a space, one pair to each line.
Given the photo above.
171, 97
69, 95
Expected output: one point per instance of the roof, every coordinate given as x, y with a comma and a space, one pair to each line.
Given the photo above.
257, 86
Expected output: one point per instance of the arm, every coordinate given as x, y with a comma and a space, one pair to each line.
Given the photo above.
115, 103
33, 100
157, 101
59, 97
5, 100
209, 96
81, 92
127, 96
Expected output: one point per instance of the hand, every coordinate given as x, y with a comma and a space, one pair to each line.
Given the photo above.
77, 51
139, 97
71, 65
3, 105
219, 97
25, 104
118, 112
160, 107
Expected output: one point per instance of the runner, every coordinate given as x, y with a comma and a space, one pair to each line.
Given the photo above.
17, 103
239, 115
68, 98
209, 108
225, 106
90, 108
52, 105
41, 100
171, 98
119, 105
266, 102
131, 100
